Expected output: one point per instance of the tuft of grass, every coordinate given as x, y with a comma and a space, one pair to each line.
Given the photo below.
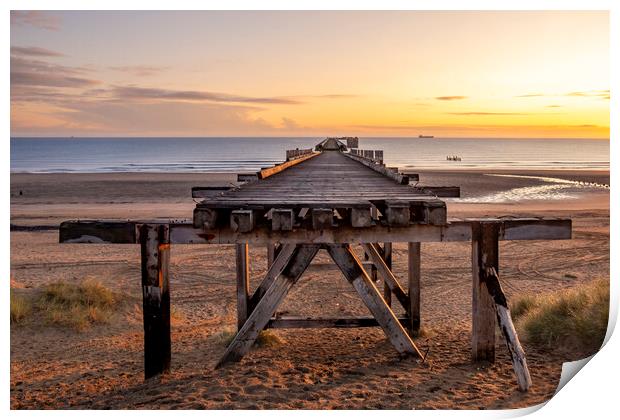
266, 338
20, 308
77, 306
575, 317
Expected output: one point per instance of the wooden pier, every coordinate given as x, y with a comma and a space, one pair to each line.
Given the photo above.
330, 198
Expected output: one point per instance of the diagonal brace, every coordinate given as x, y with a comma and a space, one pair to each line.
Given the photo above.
387, 274
352, 269
273, 297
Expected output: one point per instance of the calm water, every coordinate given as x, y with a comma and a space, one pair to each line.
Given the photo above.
250, 154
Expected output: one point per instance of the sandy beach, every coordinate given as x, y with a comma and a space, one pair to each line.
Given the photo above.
55, 367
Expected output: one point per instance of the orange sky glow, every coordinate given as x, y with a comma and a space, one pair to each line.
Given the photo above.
449, 74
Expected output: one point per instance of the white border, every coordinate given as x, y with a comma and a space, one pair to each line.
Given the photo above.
593, 393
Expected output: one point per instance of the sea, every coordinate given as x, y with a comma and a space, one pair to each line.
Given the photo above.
246, 154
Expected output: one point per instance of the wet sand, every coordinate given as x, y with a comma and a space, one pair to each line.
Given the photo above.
52, 367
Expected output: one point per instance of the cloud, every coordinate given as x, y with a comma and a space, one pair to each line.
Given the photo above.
487, 113
159, 118
603, 94
290, 124
54, 80
139, 70
24, 64
30, 72
35, 52
450, 98
336, 96
134, 92
35, 18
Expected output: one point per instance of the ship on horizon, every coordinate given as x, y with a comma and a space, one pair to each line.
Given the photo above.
422, 136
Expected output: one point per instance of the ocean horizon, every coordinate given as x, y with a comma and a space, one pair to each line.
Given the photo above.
239, 154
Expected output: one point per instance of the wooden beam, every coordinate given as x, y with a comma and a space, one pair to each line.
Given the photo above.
207, 192
267, 172
352, 269
386, 274
485, 253
414, 265
322, 219
97, 232
205, 218
242, 221
182, 232
282, 219
247, 177
155, 259
266, 307
508, 330
361, 217
271, 254
243, 284
299, 322
279, 263
398, 213
387, 257
398, 177
451, 191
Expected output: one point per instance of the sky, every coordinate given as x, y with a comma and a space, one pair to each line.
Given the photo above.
262, 73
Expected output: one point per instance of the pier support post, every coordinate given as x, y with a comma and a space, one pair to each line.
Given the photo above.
485, 256
387, 257
272, 253
414, 262
243, 283
155, 260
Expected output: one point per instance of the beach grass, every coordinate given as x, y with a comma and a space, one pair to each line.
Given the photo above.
21, 307
575, 317
77, 306
266, 338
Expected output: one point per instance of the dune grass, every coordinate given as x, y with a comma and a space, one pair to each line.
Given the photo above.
21, 307
77, 306
266, 338
576, 317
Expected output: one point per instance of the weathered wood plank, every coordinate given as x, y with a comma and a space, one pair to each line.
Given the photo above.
397, 213
300, 322
386, 274
95, 232
485, 255
360, 217
267, 172
322, 219
247, 177
352, 269
281, 259
387, 257
266, 307
448, 191
508, 330
243, 283
155, 259
414, 274
242, 221
282, 219
398, 177
205, 192
205, 218
182, 232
